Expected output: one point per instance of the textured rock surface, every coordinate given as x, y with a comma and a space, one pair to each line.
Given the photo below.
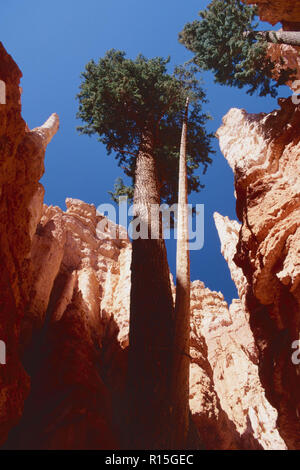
213, 425
82, 346
65, 285
264, 153
291, 60
274, 11
252, 410
21, 166
76, 351
77, 334
236, 405
228, 231
288, 13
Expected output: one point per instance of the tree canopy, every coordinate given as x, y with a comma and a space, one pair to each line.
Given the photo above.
226, 42
120, 99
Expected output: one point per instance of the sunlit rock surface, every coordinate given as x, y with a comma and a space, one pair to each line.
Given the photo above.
264, 152
65, 290
274, 11
290, 55
282, 55
75, 349
21, 198
228, 231
90, 277
233, 360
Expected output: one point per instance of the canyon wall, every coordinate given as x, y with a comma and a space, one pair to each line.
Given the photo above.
75, 342
241, 418
263, 151
55, 272
275, 11
283, 56
21, 198
65, 287
75, 334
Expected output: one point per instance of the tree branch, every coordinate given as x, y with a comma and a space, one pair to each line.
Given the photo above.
124, 152
171, 100
290, 38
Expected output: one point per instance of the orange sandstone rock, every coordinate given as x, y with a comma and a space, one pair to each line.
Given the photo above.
241, 415
65, 290
274, 11
21, 166
264, 153
76, 333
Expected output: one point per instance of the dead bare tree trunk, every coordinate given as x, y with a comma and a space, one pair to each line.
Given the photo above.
181, 360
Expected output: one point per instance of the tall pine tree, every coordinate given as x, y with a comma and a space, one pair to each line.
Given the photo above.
225, 41
136, 109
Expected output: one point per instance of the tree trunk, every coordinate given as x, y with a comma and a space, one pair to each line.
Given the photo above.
151, 320
181, 361
291, 38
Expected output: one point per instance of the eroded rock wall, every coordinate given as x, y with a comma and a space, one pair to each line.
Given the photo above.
233, 360
264, 153
75, 348
75, 334
275, 11
287, 12
65, 288
21, 198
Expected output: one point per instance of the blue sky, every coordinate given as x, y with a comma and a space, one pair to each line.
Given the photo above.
52, 41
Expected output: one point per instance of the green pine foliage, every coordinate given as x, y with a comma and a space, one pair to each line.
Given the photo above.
120, 99
120, 189
220, 45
